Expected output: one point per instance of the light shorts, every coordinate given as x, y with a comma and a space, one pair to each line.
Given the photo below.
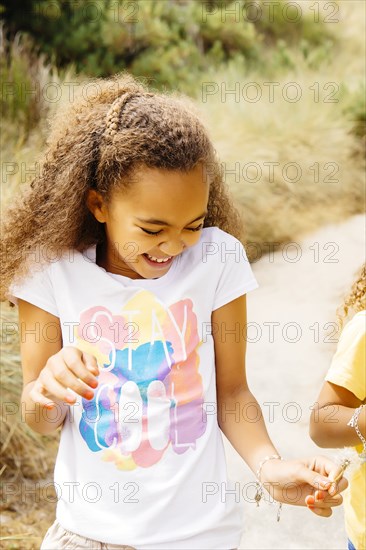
58, 538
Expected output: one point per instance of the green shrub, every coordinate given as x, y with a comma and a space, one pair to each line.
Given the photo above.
169, 40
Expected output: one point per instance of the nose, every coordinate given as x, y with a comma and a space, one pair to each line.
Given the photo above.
172, 247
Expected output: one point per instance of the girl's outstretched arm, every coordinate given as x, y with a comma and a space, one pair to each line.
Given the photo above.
240, 419
237, 408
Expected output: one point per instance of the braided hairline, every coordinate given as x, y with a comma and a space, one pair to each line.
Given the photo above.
114, 113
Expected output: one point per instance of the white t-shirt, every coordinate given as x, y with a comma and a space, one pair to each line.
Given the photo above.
143, 462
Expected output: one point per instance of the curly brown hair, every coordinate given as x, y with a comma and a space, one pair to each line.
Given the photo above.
98, 143
355, 300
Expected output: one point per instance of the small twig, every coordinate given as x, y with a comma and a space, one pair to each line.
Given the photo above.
344, 465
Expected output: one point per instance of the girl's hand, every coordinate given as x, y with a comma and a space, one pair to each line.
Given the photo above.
69, 368
305, 482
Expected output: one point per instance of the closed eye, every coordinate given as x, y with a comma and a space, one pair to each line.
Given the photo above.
157, 232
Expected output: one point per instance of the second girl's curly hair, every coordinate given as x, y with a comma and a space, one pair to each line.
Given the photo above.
98, 143
355, 300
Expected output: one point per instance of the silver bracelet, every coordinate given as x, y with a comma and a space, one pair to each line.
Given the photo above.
259, 486
354, 424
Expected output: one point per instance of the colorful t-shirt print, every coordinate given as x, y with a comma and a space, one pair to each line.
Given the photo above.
150, 392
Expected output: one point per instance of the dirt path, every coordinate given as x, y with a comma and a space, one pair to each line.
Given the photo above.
285, 370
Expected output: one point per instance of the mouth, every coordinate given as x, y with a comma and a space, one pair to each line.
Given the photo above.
158, 262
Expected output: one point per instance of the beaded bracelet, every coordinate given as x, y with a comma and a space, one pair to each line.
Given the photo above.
354, 424
259, 486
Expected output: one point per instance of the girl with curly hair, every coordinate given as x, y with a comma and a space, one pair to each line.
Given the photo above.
339, 418
124, 258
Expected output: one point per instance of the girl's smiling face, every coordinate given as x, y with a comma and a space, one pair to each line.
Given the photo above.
160, 215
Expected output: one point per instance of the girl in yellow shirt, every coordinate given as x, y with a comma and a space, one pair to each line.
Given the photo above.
340, 418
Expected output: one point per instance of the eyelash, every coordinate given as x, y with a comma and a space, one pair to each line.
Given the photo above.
157, 233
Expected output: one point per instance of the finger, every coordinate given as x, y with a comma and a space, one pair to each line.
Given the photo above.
46, 394
310, 500
328, 468
337, 487
325, 465
62, 383
323, 512
91, 363
55, 388
36, 394
333, 470
64, 377
321, 499
329, 502
74, 362
316, 509
316, 480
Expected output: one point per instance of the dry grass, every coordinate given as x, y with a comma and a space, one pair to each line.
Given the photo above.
276, 208
26, 458
17, 441
26, 512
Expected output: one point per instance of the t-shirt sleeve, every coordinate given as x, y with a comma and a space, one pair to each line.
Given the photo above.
36, 288
348, 366
236, 277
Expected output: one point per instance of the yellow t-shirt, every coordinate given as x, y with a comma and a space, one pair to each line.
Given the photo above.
348, 369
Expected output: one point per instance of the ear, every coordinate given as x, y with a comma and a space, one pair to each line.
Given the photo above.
96, 205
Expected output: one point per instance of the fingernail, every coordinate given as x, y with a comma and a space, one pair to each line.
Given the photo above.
93, 383
325, 483
69, 398
88, 395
